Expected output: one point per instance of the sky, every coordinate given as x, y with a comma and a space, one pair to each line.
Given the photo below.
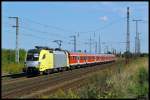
40, 23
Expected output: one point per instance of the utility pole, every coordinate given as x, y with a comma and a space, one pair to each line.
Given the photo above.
90, 44
17, 30
103, 46
128, 34
106, 48
135, 45
139, 46
128, 39
99, 45
58, 42
86, 43
95, 47
74, 39
137, 40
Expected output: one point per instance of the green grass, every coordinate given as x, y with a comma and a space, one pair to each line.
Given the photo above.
8, 61
12, 68
119, 81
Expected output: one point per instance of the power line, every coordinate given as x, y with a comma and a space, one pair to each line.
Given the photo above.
45, 25
106, 26
35, 30
34, 36
39, 37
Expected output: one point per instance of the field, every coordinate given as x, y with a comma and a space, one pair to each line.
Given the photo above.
119, 81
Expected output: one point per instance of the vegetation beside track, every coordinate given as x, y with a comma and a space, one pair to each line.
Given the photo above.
119, 81
8, 61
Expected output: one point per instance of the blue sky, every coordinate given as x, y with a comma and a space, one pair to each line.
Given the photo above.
40, 23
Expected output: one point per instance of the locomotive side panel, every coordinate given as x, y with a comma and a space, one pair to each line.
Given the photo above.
46, 60
60, 59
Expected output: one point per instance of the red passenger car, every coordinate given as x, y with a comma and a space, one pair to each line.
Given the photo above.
77, 58
82, 58
73, 58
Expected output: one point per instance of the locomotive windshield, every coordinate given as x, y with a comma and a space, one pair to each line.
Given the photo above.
33, 55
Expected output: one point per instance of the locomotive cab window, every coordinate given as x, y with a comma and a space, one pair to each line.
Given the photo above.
33, 55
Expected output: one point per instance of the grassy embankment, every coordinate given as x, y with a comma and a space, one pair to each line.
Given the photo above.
119, 81
8, 61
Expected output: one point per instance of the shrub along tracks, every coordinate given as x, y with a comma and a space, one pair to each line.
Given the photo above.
35, 86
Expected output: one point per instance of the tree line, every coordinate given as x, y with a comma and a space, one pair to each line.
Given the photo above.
9, 55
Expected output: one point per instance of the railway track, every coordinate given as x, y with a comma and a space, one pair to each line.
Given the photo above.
35, 86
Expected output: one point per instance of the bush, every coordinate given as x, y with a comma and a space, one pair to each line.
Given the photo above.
142, 75
140, 86
62, 94
142, 81
8, 55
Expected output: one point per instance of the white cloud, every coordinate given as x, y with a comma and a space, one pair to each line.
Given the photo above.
104, 18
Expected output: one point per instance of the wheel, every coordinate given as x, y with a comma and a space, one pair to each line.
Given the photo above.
45, 72
67, 68
50, 71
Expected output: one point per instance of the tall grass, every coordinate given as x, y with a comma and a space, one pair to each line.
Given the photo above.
119, 81
12, 68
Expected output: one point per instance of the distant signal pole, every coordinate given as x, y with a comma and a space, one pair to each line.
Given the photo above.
74, 39
137, 40
90, 44
99, 45
17, 33
95, 47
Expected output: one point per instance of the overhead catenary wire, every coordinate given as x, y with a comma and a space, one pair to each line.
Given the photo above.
35, 36
103, 27
80, 42
45, 25
45, 32
54, 34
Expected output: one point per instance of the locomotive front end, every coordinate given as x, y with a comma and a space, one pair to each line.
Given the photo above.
32, 63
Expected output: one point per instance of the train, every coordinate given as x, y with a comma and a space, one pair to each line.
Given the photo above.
45, 60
